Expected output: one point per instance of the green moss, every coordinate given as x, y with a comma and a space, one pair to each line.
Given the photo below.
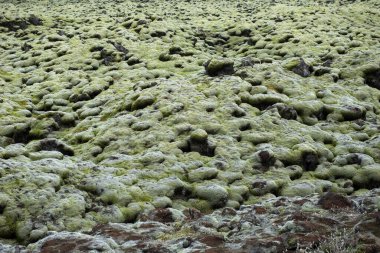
142, 102
78, 224
368, 177
219, 66
140, 196
131, 212
347, 171
202, 205
7, 227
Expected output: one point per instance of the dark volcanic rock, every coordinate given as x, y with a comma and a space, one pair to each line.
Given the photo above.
26, 47
161, 215
118, 234
372, 78
119, 47
333, 200
14, 25
67, 245
310, 161
303, 69
55, 145
266, 158
34, 20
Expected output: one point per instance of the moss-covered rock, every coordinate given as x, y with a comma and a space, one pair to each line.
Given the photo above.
142, 102
216, 195
215, 67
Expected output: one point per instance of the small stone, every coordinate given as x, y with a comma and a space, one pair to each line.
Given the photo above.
38, 233
152, 157
7, 130
133, 61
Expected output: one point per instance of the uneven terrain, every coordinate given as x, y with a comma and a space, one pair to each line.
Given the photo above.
189, 126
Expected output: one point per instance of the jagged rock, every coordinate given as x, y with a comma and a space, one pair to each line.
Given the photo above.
302, 69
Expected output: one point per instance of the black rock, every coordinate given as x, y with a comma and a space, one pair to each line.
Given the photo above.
333, 200
119, 47
372, 78
266, 158
287, 112
55, 145
26, 47
310, 161
14, 25
34, 20
107, 57
303, 69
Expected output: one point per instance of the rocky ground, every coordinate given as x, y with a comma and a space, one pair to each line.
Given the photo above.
189, 126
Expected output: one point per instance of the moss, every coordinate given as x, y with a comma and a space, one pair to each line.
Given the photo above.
41, 128
262, 101
368, 177
311, 138
217, 195
182, 233
138, 195
299, 189
216, 67
203, 173
347, 171
198, 135
131, 212
142, 102
7, 227
202, 205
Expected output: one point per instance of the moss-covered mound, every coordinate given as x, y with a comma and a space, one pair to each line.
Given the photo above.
109, 109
